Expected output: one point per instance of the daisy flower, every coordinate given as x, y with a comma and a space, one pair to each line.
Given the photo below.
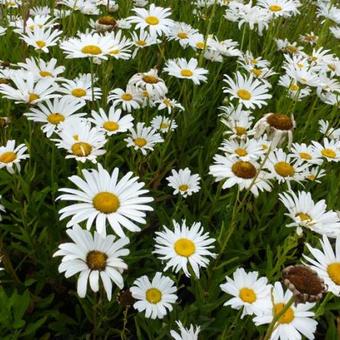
306, 213
129, 100
141, 40
41, 39
80, 88
168, 104
96, 258
296, 320
183, 182
121, 46
112, 122
11, 156
328, 131
43, 69
277, 126
248, 149
245, 174
329, 150
183, 69
154, 20
104, 199
249, 92
313, 174
155, 297
306, 153
250, 292
183, 246
143, 138
284, 8
27, 90
163, 124
181, 32
81, 141
52, 113
326, 263
185, 333
295, 90
284, 168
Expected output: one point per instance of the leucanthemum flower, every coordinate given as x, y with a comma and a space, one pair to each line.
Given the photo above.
184, 246
80, 88
186, 333
181, 32
306, 153
244, 149
154, 20
245, 174
120, 46
52, 113
284, 8
249, 92
326, 263
168, 104
183, 69
27, 89
296, 320
112, 122
306, 213
163, 124
184, 182
41, 39
11, 156
277, 126
330, 149
250, 292
143, 138
329, 131
129, 100
141, 40
81, 141
96, 258
296, 91
102, 198
155, 297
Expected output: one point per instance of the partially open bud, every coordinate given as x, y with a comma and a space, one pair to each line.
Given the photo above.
125, 298
305, 283
105, 23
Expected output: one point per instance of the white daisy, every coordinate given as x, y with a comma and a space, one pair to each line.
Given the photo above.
249, 291
184, 182
306, 153
330, 149
169, 104
11, 156
314, 216
112, 122
93, 257
183, 246
143, 138
163, 124
326, 263
244, 149
106, 199
329, 131
155, 297
277, 8
129, 100
186, 333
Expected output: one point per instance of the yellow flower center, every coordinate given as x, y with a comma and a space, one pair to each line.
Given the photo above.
115, 52
247, 295
78, 92
287, 316
244, 170
96, 260
153, 295
294, 87
333, 271
110, 126
241, 152
275, 8
127, 96
183, 187
311, 177
240, 131
141, 42
184, 247
152, 20
45, 74
244, 94
81, 149
164, 126
303, 217
150, 79
8, 157
91, 49
140, 142
106, 202
200, 45
32, 97
280, 121
55, 118
182, 35
284, 169
186, 72
291, 49
256, 71
328, 153
40, 43
305, 155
